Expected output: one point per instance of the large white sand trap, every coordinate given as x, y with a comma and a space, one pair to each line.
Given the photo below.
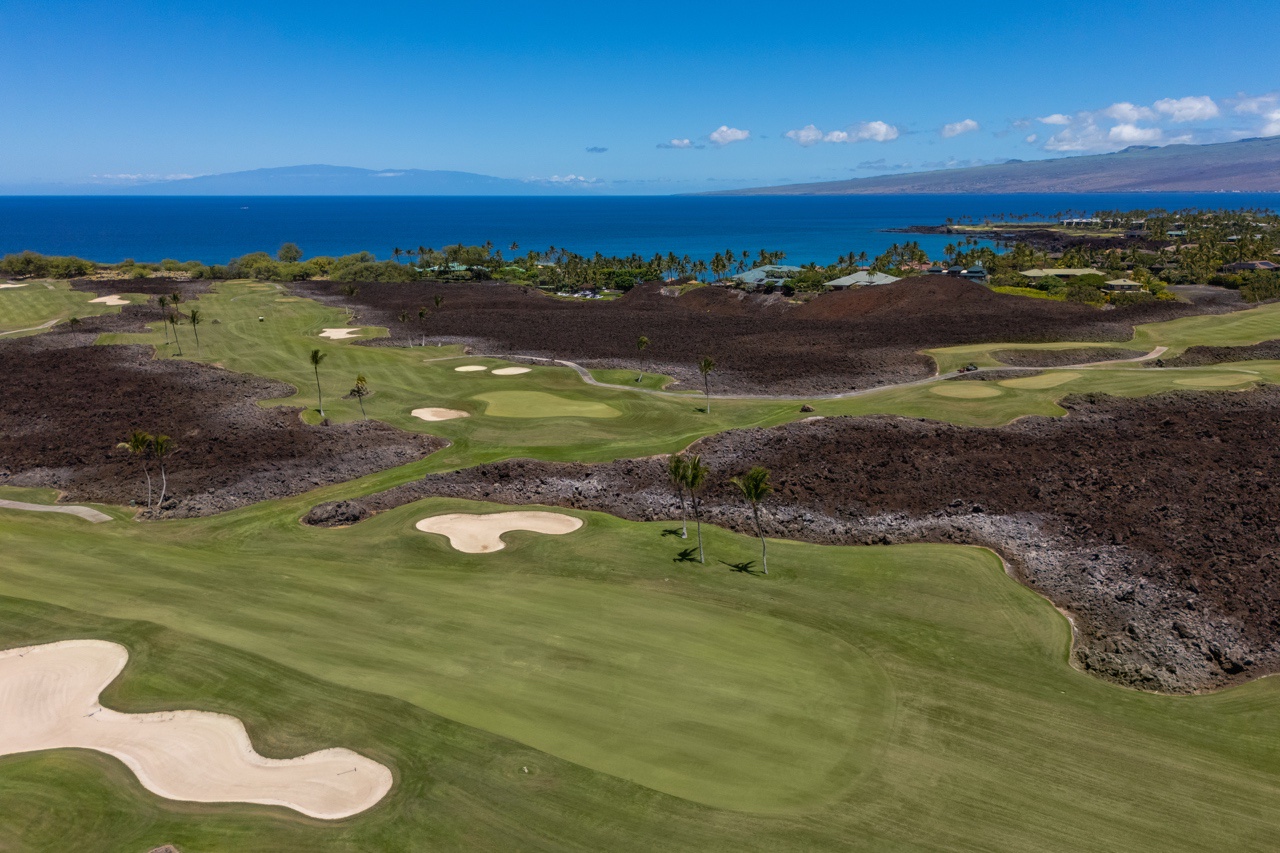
511, 371
430, 414
7, 285
113, 299
87, 513
340, 334
49, 700
482, 534
470, 368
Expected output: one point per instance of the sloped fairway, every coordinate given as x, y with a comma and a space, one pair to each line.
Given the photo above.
38, 302
589, 691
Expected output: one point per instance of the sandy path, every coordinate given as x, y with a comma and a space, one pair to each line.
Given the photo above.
49, 700
433, 414
80, 511
482, 534
113, 299
340, 334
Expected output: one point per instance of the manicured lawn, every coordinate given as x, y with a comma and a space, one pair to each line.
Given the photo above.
911, 697
38, 302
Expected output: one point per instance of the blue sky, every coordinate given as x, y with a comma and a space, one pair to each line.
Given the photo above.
634, 98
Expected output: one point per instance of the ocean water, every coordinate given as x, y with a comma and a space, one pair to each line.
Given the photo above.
817, 229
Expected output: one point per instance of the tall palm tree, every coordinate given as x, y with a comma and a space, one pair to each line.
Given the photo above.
164, 304
396, 253
360, 391
755, 486
139, 445
162, 446
173, 321
695, 474
316, 358
676, 471
706, 364
193, 316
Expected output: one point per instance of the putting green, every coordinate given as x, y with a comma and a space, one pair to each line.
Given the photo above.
1044, 380
1219, 381
538, 404
964, 390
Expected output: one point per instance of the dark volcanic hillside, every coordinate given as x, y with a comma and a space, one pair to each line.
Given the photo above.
1250, 165
761, 344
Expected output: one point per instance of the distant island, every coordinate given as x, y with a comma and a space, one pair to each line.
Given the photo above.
1250, 165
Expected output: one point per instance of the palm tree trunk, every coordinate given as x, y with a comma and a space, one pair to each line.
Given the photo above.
706, 389
362, 414
146, 471
684, 514
164, 485
764, 553
698, 518
319, 395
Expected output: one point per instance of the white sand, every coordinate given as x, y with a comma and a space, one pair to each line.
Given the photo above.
511, 371
113, 299
87, 513
49, 700
430, 414
7, 286
340, 334
482, 534
470, 368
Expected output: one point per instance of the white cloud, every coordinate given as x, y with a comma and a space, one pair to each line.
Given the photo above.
1128, 113
1131, 134
956, 128
1033, 138
1056, 118
875, 131
835, 136
571, 179
806, 136
1260, 105
1193, 108
725, 135
1272, 127
677, 143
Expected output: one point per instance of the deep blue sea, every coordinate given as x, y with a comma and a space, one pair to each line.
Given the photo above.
818, 229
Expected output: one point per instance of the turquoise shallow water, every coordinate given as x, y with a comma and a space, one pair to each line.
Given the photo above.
814, 228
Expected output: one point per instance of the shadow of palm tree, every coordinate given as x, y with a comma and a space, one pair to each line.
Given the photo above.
674, 531
688, 555
742, 567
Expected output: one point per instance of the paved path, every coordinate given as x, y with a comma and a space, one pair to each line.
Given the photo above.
79, 511
48, 325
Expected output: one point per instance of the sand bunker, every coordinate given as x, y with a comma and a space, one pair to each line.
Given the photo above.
1218, 381
339, 334
49, 700
470, 368
482, 534
87, 513
113, 299
430, 414
511, 371
965, 390
8, 285
1044, 380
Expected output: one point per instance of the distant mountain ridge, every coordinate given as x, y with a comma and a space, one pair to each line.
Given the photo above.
343, 180
1250, 165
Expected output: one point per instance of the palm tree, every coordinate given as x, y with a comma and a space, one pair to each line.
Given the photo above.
360, 392
676, 471
705, 365
642, 343
396, 253
164, 303
316, 358
139, 445
193, 316
695, 474
162, 446
173, 321
439, 300
403, 317
755, 486
422, 321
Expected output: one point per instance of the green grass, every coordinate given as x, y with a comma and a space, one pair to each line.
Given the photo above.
627, 379
1032, 292
41, 301
911, 697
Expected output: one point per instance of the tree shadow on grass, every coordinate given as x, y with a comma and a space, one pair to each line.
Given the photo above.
688, 555
745, 568
675, 531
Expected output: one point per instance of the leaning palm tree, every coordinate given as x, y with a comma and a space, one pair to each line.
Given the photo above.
642, 343
162, 446
360, 391
695, 474
676, 471
705, 365
139, 445
316, 358
755, 486
193, 317
173, 321
164, 303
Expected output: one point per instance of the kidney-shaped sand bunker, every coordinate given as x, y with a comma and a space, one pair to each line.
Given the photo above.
482, 534
49, 700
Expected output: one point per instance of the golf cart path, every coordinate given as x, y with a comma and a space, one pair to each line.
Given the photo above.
48, 325
84, 512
